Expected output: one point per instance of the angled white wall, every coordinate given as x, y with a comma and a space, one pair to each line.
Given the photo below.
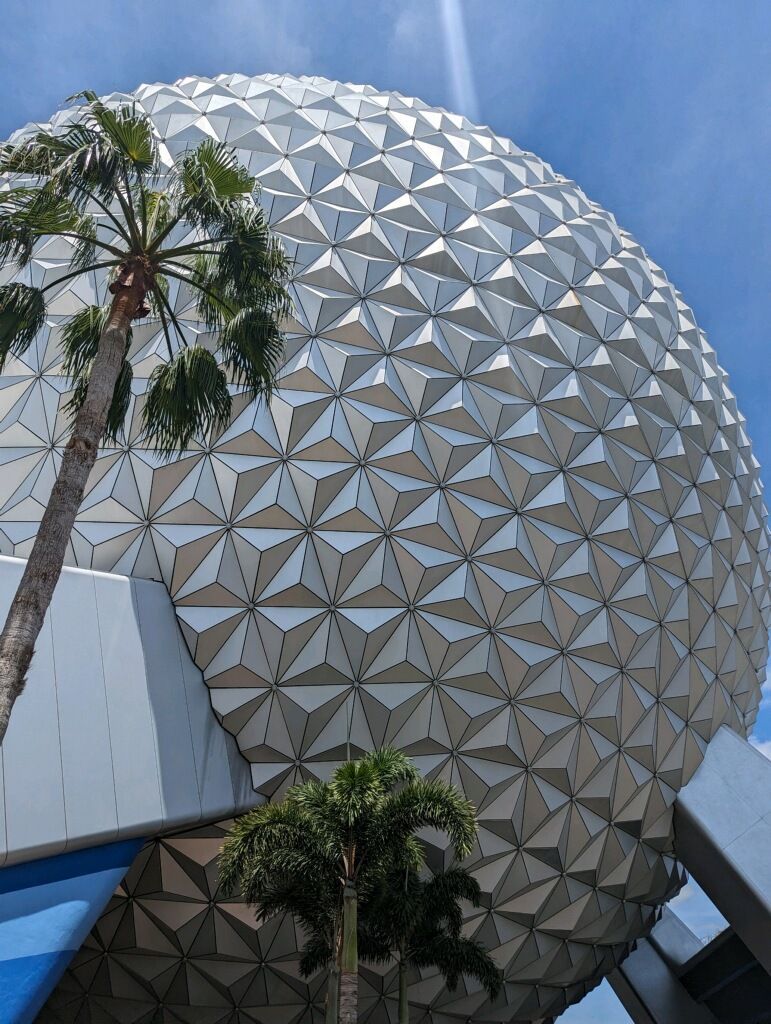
114, 736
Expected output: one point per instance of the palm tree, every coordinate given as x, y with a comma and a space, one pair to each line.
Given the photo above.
274, 858
100, 184
281, 868
345, 834
421, 920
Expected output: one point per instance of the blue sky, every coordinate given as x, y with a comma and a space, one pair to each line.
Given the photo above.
659, 110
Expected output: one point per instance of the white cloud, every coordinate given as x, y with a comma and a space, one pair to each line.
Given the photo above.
411, 27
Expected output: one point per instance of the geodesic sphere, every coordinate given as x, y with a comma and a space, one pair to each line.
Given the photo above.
502, 513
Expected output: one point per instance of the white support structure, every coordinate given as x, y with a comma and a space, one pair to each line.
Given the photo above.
723, 837
114, 736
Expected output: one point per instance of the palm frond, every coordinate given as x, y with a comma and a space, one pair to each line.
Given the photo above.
274, 855
80, 342
71, 159
252, 348
374, 946
311, 797
26, 158
158, 212
455, 957
128, 130
36, 156
211, 181
316, 955
446, 888
316, 801
121, 399
392, 766
433, 804
310, 896
84, 252
214, 305
27, 214
356, 790
252, 259
22, 315
186, 397
16, 241
43, 211
80, 339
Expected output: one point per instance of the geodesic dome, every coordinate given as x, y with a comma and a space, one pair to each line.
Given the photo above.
502, 513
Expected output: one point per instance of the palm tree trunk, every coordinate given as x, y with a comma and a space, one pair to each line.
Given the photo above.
333, 995
44, 566
349, 965
404, 1005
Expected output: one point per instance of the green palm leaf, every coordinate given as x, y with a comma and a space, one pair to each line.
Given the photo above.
442, 894
121, 399
16, 241
80, 342
252, 346
158, 212
77, 158
80, 339
455, 957
22, 314
44, 211
130, 133
41, 154
186, 397
433, 804
210, 179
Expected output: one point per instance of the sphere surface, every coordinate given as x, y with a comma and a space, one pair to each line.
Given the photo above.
502, 513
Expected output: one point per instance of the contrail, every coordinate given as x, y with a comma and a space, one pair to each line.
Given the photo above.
464, 92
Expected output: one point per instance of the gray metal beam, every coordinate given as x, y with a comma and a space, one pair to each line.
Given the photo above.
722, 825
651, 992
647, 984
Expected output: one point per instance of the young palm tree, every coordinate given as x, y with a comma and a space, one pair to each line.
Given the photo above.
347, 833
100, 184
280, 867
274, 858
421, 920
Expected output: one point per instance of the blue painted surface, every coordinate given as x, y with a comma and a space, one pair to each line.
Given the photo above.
47, 908
26, 982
